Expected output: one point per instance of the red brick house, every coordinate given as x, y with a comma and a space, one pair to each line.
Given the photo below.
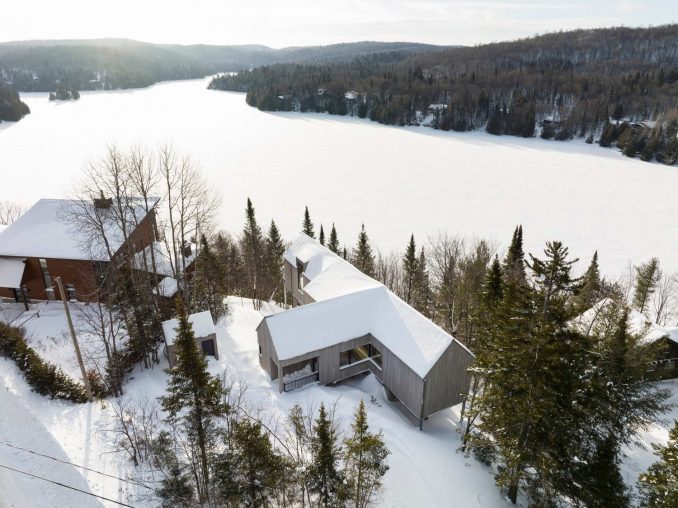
44, 243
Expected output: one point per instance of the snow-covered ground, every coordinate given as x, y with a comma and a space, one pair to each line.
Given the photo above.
426, 467
350, 171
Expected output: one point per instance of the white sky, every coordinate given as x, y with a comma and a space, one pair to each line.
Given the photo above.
281, 23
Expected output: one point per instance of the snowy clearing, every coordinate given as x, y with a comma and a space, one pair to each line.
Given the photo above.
426, 468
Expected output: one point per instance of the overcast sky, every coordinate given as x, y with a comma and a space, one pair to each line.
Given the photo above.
281, 23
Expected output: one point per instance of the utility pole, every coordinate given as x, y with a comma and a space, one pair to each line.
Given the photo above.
64, 298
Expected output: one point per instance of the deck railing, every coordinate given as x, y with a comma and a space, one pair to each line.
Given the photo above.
298, 383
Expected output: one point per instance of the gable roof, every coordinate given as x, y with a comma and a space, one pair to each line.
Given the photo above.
45, 231
202, 324
639, 323
349, 304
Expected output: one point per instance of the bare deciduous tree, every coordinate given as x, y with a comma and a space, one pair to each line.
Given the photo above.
9, 212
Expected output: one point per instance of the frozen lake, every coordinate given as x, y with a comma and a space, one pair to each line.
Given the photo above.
350, 171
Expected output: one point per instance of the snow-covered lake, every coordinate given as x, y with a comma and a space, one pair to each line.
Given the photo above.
350, 171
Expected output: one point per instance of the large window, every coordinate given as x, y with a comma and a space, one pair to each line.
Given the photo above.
45, 274
300, 279
359, 354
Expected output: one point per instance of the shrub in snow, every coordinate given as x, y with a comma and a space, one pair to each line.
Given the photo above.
45, 378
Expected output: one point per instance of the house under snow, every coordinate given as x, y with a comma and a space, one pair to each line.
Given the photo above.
344, 323
203, 329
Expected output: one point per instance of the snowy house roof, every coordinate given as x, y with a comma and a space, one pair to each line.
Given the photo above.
202, 324
639, 323
349, 304
167, 287
47, 230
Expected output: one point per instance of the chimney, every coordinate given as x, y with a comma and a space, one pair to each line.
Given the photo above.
101, 202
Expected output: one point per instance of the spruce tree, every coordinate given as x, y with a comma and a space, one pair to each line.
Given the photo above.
514, 262
362, 257
648, 276
409, 268
324, 477
658, 487
307, 226
274, 262
422, 290
365, 460
590, 291
494, 290
321, 235
260, 467
193, 401
207, 282
333, 244
252, 247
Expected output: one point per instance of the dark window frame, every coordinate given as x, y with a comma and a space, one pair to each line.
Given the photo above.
347, 357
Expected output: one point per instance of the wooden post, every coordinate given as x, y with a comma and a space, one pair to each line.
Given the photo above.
85, 380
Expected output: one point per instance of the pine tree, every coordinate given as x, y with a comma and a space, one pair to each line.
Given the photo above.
261, 468
274, 262
207, 282
421, 286
252, 247
409, 268
321, 235
658, 487
494, 290
514, 262
648, 276
307, 226
590, 291
193, 400
324, 477
362, 257
333, 244
365, 459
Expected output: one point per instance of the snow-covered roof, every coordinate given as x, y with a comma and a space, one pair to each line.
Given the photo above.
48, 230
349, 304
329, 274
167, 287
639, 323
3, 227
202, 323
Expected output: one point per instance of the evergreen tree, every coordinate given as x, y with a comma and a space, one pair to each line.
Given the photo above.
321, 235
307, 226
590, 291
207, 282
421, 286
514, 262
602, 485
252, 247
176, 490
659, 485
365, 459
362, 257
333, 244
193, 401
274, 262
494, 290
409, 268
648, 276
324, 477
260, 467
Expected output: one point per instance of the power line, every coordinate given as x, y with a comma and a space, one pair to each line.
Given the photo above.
75, 465
66, 486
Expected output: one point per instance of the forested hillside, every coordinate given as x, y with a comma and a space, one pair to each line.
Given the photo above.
107, 64
560, 85
11, 107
